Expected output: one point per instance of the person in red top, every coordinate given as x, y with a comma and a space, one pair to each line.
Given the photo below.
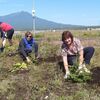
7, 31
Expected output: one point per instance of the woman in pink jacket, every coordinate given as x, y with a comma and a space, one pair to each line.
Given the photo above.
7, 32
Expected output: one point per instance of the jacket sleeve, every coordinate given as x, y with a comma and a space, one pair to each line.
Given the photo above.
22, 48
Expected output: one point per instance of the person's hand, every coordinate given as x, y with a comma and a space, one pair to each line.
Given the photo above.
67, 75
80, 67
85, 69
28, 60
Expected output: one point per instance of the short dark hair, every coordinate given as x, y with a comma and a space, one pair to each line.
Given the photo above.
67, 34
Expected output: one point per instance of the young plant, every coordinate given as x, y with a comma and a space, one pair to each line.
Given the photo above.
77, 76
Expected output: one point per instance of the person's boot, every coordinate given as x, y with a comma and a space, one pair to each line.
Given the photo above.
2, 49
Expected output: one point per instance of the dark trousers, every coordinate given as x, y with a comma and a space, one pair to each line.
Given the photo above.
9, 34
88, 53
27, 51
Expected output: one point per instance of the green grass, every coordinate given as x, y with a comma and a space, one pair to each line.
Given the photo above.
45, 78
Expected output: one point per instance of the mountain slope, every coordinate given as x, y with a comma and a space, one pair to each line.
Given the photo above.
24, 21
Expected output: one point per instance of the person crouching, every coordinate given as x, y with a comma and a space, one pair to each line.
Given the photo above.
27, 45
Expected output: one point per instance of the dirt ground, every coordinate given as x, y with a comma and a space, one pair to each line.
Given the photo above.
43, 80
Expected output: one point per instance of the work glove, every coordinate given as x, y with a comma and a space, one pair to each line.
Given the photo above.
28, 60
67, 75
85, 69
82, 68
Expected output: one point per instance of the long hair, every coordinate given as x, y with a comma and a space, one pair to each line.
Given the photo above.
67, 34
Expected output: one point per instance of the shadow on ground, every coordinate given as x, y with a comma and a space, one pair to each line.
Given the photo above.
95, 76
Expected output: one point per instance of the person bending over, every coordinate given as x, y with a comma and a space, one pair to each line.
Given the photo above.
7, 32
73, 49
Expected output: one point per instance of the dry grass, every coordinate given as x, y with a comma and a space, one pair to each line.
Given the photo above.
45, 78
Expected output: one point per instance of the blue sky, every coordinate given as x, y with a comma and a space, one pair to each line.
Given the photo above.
77, 12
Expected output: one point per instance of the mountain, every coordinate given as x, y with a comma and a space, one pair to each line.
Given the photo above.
24, 21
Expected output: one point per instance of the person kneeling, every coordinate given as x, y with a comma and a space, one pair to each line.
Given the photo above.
26, 46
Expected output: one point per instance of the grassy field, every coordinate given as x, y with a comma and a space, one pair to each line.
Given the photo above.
44, 79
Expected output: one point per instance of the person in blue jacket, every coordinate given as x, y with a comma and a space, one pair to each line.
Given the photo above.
27, 45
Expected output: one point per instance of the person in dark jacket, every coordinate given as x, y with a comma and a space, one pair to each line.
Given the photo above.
7, 32
26, 46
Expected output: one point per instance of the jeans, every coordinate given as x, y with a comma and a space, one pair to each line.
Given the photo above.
88, 53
